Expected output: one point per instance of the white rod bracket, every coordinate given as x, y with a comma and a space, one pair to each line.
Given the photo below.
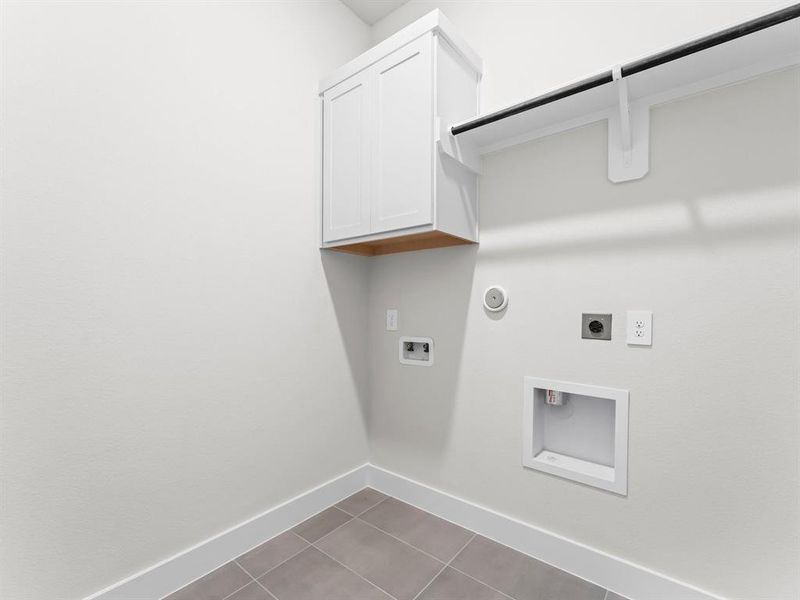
628, 135
461, 152
624, 115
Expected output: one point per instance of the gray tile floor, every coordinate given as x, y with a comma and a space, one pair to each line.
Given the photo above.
371, 546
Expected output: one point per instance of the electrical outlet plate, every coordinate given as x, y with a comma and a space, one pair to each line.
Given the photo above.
391, 319
596, 326
639, 328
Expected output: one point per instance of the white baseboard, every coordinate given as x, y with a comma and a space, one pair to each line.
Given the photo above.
173, 573
621, 576
625, 578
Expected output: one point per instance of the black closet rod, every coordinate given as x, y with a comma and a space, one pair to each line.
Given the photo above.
637, 66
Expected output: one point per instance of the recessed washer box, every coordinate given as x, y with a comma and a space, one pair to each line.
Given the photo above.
416, 351
585, 439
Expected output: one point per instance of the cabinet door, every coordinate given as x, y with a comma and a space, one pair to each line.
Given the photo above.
402, 171
346, 159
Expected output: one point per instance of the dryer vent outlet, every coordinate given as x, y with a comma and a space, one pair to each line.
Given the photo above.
495, 298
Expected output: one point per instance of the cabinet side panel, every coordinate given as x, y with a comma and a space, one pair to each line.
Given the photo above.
456, 187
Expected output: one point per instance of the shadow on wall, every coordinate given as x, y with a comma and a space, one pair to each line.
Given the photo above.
346, 275
553, 196
419, 421
540, 202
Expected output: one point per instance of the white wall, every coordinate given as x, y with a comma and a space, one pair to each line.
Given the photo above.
177, 357
708, 241
532, 46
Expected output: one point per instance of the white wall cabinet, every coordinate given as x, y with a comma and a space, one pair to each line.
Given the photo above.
393, 179
403, 138
346, 139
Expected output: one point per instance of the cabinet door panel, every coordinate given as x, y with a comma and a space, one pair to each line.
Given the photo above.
402, 184
346, 159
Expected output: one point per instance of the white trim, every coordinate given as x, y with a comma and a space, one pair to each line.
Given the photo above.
624, 577
619, 575
434, 21
177, 571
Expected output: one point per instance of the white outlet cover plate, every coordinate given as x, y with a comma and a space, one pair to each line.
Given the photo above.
639, 328
391, 319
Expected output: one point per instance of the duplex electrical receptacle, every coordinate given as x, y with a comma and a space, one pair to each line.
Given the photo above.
639, 328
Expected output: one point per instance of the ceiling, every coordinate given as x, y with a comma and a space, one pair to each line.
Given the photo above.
371, 11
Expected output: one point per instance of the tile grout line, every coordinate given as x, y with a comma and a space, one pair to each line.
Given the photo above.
313, 545
236, 560
435, 577
349, 520
531, 557
381, 501
474, 535
236, 591
306, 547
475, 579
457, 570
290, 530
263, 587
373, 584
209, 573
467, 575
439, 560
427, 585
427, 512
337, 528
513, 597
249, 574
344, 512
